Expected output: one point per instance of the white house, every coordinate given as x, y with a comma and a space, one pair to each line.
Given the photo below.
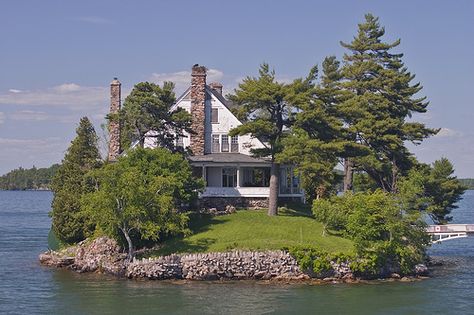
232, 174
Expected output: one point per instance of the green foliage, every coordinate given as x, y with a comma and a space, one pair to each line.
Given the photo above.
333, 215
265, 107
309, 258
467, 182
378, 98
318, 138
364, 183
148, 108
319, 261
140, 195
384, 233
69, 184
26, 179
433, 190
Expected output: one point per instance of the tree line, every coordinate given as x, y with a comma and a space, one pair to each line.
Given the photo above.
28, 179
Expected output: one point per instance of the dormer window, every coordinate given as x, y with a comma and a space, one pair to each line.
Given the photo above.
214, 115
225, 143
234, 144
215, 144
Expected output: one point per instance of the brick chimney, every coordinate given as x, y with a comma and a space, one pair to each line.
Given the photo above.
198, 101
216, 86
114, 124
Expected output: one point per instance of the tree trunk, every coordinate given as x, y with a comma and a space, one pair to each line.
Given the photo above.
393, 187
348, 174
274, 187
130, 245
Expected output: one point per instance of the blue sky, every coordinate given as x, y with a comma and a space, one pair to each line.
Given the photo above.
58, 57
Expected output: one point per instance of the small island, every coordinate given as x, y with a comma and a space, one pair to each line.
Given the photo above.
248, 186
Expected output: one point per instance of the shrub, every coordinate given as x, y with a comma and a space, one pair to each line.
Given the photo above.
385, 235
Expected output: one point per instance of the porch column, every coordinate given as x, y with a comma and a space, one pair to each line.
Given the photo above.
204, 175
238, 176
291, 180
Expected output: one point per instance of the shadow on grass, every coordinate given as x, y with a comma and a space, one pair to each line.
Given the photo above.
198, 223
295, 209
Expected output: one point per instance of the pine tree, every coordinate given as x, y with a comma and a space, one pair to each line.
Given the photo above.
318, 137
69, 184
265, 107
379, 98
148, 109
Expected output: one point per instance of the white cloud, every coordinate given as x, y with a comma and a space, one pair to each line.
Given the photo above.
14, 91
93, 20
446, 132
67, 87
69, 95
29, 115
2, 118
42, 144
182, 79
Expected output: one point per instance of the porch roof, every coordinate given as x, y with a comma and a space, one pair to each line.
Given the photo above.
226, 158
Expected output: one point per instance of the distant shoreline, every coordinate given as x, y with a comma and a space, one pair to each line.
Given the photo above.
25, 189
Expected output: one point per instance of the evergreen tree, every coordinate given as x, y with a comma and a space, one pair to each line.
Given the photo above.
319, 138
148, 109
69, 184
379, 98
432, 189
265, 107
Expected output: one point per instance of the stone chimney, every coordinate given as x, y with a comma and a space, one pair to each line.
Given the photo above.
216, 86
114, 124
198, 101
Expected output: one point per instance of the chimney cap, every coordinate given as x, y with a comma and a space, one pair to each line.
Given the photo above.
198, 70
115, 81
216, 86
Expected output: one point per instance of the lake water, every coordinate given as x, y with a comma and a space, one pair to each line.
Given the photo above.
28, 288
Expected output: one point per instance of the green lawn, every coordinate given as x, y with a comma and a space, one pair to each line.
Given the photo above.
254, 230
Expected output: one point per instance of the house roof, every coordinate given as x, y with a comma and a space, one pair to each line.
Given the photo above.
227, 103
226, 158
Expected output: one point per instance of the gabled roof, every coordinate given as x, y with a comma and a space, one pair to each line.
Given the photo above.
228, 104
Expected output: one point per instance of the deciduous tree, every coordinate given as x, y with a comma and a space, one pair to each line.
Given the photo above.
141, 195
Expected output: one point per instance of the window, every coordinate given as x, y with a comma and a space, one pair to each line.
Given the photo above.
225, 143
255, 177
179, 142
229, 177
234, 144
214, 115
215, 144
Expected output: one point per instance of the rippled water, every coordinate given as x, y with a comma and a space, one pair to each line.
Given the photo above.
28, 288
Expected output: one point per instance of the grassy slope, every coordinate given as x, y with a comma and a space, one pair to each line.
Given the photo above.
254, 230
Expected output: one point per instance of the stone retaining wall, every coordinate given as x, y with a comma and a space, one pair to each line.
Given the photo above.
104, 255
220, 203
237, 265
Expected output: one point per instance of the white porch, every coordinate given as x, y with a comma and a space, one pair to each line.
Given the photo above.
247, 181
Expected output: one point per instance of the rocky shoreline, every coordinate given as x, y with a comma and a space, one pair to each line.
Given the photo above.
103, 255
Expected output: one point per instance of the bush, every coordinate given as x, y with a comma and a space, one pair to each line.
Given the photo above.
318, 261
140, 196
385, 235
